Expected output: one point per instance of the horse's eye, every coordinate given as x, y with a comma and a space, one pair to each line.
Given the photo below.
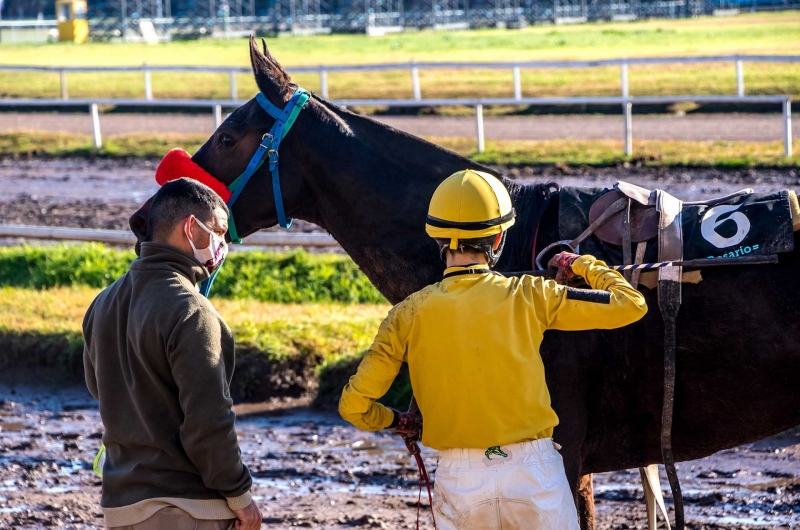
226, 140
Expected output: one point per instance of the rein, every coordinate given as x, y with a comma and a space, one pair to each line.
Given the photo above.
413, 449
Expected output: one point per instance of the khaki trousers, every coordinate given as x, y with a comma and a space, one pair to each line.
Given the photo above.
520, 486
172, 518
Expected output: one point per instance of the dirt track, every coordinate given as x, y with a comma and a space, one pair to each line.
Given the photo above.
746, 127
103, 194
312, 470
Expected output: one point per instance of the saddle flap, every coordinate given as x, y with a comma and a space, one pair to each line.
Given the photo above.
643, 219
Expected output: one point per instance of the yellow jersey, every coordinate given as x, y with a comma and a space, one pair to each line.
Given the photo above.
472, 343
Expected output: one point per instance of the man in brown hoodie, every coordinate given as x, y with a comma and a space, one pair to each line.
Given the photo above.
159, 359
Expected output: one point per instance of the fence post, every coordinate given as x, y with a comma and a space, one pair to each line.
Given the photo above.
415, 82
98, 138
148, 83
628, 128
623, 79
64, 91
739, 79
479, 127
217, 116
323, 82
787, 128
234, 89
517, 84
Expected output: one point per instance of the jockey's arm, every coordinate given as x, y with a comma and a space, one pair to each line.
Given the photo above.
612, 302
375, 375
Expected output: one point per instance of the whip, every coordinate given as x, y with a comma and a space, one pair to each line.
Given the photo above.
692, 263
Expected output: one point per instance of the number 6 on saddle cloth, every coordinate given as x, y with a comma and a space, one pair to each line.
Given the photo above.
740, 224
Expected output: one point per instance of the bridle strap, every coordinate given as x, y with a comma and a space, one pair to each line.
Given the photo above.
268, 152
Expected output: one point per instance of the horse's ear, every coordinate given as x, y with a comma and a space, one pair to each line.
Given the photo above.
270, 76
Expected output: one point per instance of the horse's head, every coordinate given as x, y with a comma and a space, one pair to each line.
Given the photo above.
228, 151
367, 184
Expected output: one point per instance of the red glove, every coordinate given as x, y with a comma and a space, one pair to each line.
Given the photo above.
407, 425
563, 263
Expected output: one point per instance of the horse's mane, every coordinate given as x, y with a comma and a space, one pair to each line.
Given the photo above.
422, 157
531, 202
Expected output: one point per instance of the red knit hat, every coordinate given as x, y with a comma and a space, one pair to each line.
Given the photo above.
178, 163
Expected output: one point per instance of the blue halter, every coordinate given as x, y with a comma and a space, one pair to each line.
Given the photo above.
267, 150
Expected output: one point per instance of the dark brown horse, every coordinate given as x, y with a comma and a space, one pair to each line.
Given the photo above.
369, 186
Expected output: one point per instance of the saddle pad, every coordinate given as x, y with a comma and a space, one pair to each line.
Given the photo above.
753, 224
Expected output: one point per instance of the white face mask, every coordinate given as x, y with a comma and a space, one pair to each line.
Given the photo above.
212, 255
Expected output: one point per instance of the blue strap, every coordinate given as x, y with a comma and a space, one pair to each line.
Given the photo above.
252, 167
284, 119
205, 285
267, 151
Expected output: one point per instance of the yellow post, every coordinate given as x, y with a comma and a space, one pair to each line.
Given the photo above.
72, 23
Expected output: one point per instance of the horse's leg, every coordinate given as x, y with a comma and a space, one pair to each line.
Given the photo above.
581, 487
585, 502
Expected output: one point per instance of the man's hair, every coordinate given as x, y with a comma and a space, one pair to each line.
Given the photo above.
177, 200
478, 244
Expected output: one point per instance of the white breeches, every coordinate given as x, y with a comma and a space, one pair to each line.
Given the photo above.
483, 490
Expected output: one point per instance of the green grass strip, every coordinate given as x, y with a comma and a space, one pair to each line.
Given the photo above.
283, 277
758, 33
281, 349
656, 153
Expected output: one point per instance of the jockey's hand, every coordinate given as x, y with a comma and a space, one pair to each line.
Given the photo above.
407, 425
562, 262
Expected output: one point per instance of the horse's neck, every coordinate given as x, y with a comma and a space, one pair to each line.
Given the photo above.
536, 224
373, 190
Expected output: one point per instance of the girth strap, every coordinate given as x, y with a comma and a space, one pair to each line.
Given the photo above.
670, 241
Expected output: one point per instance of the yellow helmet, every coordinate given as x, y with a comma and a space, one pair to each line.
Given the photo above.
469, 205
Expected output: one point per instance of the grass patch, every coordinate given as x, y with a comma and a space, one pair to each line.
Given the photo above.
40, 144
726, 154
290, 277
280, 347
759, 33
507, 152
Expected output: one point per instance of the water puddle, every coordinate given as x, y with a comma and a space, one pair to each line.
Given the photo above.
15, 509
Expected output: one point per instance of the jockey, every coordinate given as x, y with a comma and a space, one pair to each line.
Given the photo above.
472, 343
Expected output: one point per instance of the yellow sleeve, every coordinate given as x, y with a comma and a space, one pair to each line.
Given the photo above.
611, 303
375, 375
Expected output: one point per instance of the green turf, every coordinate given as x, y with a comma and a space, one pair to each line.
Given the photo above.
281, 348
763, 33
664, 153
278, 277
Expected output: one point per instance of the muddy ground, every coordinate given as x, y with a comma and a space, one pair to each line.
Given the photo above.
310, 469
104, 193
313, 470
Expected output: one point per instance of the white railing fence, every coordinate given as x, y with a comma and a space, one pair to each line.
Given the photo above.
625, 100
626, 103
414, 69
125, 237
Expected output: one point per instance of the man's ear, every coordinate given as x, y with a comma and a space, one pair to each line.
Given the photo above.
497, 241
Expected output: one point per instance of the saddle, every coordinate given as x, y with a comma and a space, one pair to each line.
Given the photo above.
608, 223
